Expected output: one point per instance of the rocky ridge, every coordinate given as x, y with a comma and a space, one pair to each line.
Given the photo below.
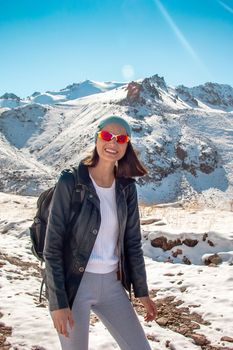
167, 129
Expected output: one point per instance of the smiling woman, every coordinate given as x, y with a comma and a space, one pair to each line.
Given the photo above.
95, 273
119, 141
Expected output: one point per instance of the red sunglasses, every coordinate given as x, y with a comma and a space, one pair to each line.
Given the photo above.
107, 136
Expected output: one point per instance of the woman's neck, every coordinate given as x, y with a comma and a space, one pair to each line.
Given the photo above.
103, 173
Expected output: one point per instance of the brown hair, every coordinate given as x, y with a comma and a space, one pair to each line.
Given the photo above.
128, 166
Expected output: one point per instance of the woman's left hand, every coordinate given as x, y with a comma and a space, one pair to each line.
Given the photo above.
151, 309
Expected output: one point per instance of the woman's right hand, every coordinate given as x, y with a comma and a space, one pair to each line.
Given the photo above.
61, 318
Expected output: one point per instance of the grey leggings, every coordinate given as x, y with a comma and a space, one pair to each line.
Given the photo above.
105, 296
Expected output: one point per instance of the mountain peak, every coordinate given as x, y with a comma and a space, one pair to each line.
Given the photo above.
158, 81
10, 96
214, 94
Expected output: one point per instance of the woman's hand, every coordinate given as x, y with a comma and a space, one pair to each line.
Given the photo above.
61, 318
151, 309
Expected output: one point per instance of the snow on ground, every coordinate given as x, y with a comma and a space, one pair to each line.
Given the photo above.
206, 290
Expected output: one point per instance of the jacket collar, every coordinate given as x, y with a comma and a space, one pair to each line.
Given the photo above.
84, 178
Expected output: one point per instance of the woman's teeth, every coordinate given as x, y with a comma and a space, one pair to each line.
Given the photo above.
111, 151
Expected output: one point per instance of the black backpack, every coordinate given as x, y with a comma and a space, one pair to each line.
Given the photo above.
39, 225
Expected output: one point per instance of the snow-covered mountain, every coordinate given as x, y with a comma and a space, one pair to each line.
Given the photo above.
184, 137
70, 92
218, 96
213, 95
185, 143
10, 100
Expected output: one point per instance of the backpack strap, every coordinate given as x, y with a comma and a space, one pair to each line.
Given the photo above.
79, 190
77, 199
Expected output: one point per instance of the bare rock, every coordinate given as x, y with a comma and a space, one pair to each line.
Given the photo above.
2, 263
184, 330
149, 87
185, 95
163, 243
180, 153
204, 237
194, 325
151, 337
133, 93
5, 332
205, 168
162, 321
226, 338
180, 273
190, 242
148, 221
200, 339
177, 252
213, 259
210, 243
186, 260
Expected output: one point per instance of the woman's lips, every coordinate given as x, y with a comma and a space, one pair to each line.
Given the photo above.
111, 151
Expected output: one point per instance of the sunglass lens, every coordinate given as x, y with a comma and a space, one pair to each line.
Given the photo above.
122, 139
105, 135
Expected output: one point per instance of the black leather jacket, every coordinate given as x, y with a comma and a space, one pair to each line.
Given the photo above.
67, 257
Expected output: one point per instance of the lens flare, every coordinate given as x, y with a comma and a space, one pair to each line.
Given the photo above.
127, 72
226, 7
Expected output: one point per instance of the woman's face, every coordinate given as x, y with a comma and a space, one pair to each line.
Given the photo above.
111, 151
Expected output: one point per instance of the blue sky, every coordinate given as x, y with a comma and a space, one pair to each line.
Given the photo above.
46, 45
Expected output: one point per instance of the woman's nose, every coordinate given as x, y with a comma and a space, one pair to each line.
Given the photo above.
113, 140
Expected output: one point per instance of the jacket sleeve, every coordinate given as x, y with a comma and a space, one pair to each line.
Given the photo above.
54, 241
133, 247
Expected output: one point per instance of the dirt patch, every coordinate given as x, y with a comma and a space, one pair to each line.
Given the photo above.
5, 332
24, 265
179, 319
17, 265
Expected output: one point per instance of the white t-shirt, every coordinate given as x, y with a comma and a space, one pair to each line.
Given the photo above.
104, 257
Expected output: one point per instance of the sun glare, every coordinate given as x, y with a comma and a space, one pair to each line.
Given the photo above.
180, 36
226, 7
